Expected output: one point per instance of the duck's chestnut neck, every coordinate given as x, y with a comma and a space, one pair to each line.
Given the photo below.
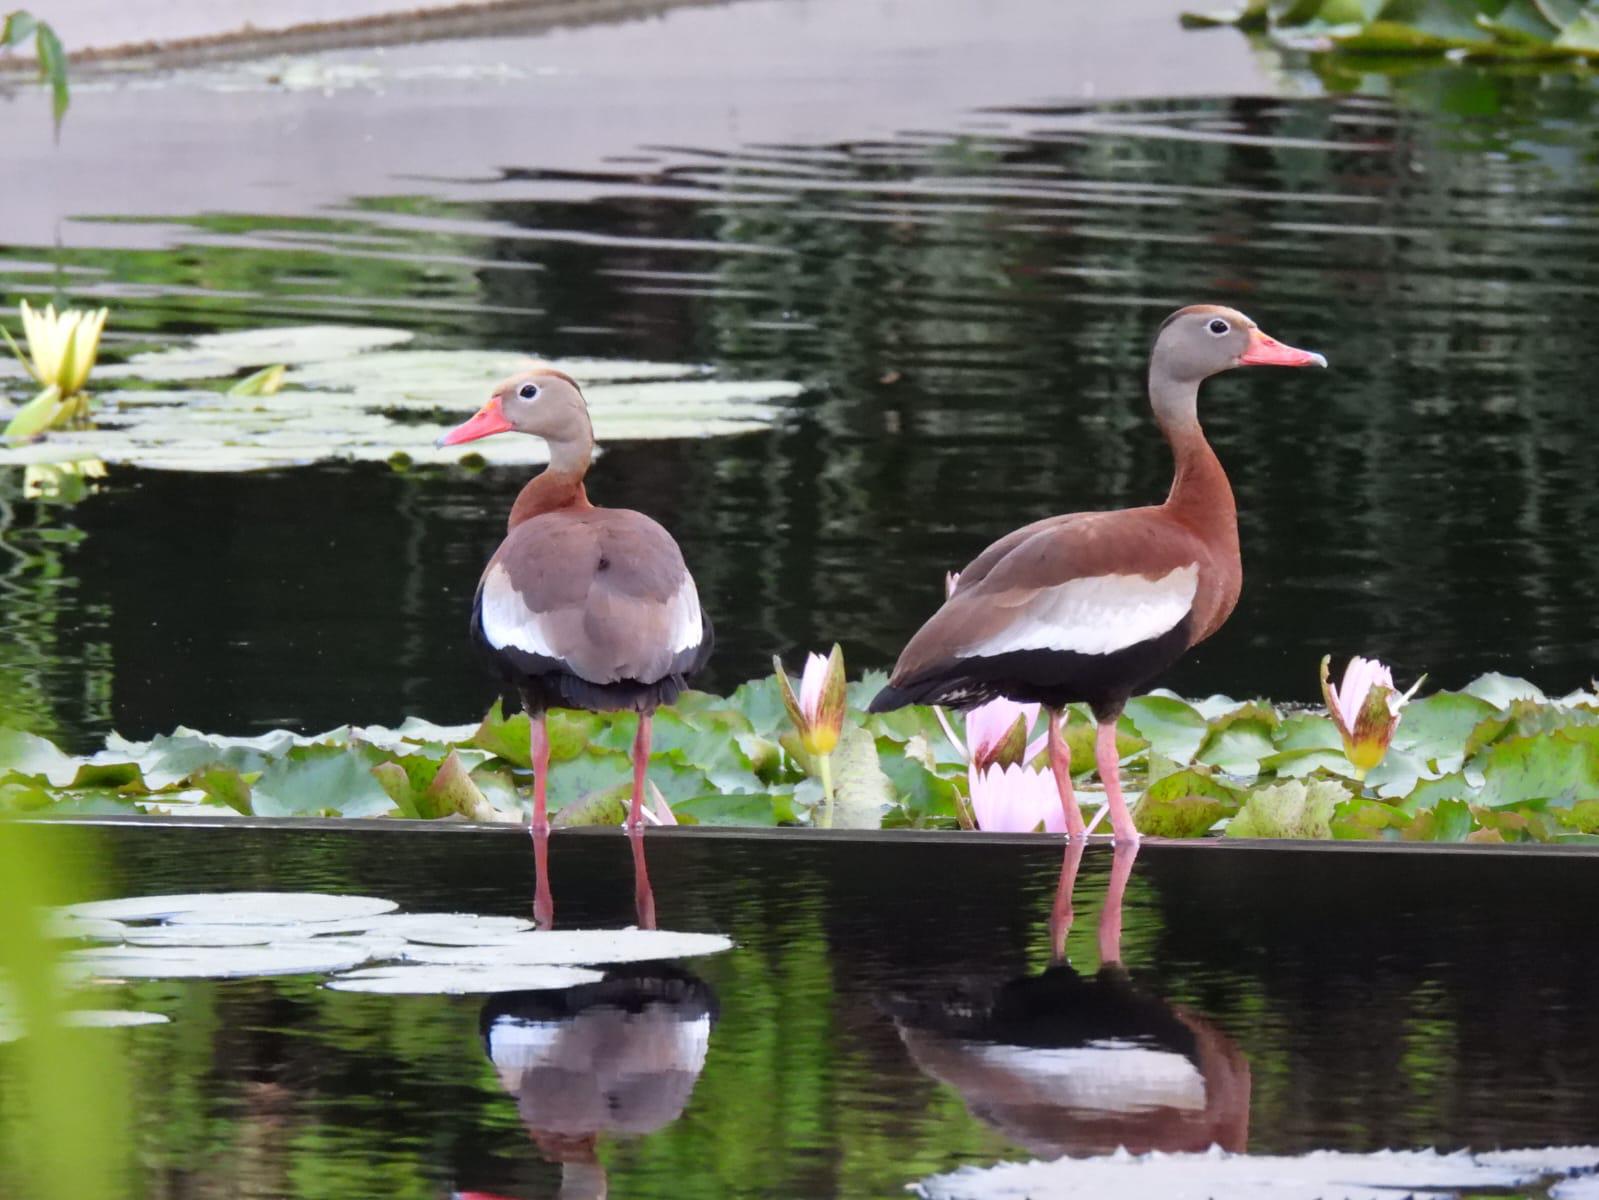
559, 486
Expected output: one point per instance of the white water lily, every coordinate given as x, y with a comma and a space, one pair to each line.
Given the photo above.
62, 347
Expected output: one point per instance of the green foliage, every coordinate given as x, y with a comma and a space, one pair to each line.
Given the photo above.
63, 1131
1474, 29
16, 29
1289, 810
1461, 768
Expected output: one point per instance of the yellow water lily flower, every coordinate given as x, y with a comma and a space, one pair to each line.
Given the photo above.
62, 347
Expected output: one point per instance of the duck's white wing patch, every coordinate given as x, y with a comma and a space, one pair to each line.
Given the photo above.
687, 625
1098, 614
508, 623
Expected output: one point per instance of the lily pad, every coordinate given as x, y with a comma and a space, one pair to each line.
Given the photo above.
450, 929
235, 908
1169, 725
205, 935
1319, 1175
461, 980
1289, 810
89, 1018
110, 1018
360, 393
301, 956
585, 947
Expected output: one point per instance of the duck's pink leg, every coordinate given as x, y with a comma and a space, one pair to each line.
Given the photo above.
641, 767
1061, 915
1110, 774
543, 901
643, 894
1060, 764
1110, 918
540, 747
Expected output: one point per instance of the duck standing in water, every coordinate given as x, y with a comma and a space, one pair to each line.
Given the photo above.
580, 607
1090, 607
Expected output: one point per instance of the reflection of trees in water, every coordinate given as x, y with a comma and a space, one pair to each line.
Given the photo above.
1443, 446
972, 312
1378, 1003
49, 654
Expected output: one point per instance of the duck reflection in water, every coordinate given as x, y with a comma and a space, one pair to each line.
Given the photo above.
620, 1056
1065, 1064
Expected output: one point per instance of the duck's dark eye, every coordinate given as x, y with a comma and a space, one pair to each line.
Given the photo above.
527, 391
1218, 327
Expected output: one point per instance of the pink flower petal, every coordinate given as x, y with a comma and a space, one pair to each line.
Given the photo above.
812, 684
1015, 799
987, 724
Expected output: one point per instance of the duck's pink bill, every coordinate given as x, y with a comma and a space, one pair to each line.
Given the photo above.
1269, 352
488, 419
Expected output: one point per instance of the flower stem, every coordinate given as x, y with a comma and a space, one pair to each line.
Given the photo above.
824, 768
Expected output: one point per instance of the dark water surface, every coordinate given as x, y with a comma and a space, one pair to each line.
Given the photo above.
1303, 998
970, 314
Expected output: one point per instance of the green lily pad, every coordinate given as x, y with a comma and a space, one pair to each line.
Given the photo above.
762, 809
1556, 768
1289, 810
318, 780
1446, 821
1169, 725
1238, 747
1184, 804
360, 393
1362, 818
1437, 726
1500, 690
862, 792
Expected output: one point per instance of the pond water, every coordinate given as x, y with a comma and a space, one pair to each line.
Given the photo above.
889, 1012
968, 304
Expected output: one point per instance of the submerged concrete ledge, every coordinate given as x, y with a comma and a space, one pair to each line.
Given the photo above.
854, 837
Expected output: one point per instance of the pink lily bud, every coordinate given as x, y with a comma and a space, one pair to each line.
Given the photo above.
1365, 708
1015, 799
818, 710
996, 733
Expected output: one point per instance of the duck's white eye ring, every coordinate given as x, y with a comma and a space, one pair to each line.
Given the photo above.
527, 391
1219, 327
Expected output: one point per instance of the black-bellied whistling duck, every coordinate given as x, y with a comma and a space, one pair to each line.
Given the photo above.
619, 1056
1089, 607
580, 607
1071, 1064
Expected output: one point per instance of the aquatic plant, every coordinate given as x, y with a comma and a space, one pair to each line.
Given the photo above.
347, 392
1366, 708
1472, 29
1497, 761
818, 714
1015, 799
62, 349
17, 27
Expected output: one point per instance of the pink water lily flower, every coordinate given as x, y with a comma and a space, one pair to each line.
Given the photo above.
1015, 799
818, 710
996, 733
1366, 708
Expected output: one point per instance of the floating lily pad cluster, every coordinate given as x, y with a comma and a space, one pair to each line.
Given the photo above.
1476, 29
261, 398
1557, 1173
359, 942
1498, 761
